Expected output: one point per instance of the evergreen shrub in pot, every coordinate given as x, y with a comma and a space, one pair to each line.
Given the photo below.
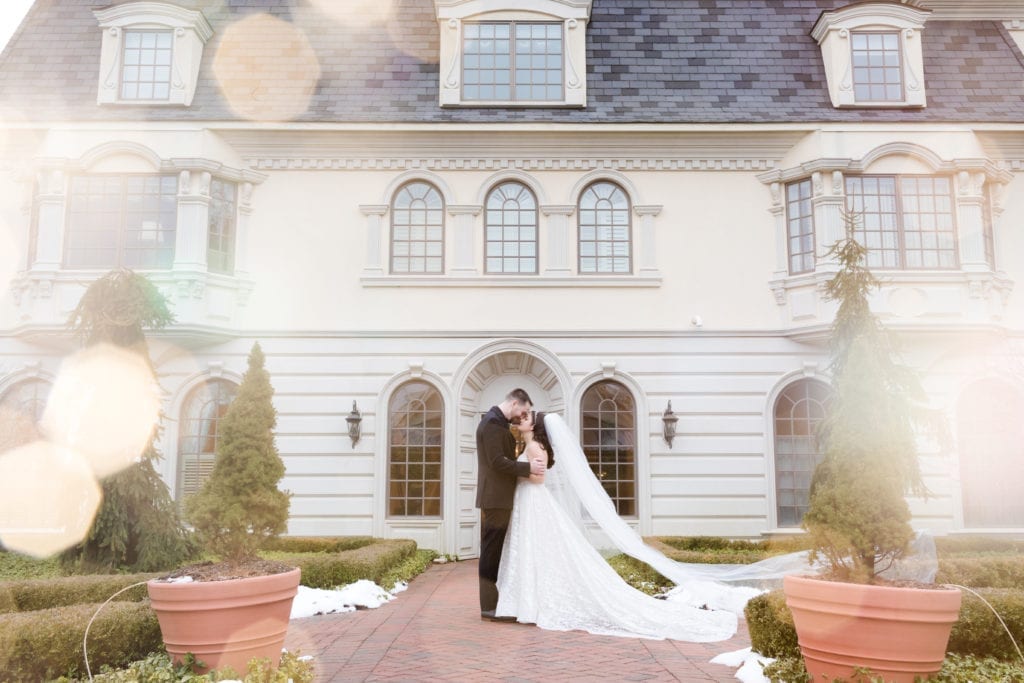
237, 609
858, 519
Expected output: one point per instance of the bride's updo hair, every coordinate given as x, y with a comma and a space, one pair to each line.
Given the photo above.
540, 434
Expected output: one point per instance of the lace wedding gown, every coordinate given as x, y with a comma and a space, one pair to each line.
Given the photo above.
550, 575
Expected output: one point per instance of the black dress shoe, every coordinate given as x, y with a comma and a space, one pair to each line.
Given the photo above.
488, 615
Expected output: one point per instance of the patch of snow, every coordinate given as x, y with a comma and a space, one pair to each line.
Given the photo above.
363, 593
182, 579
751, 664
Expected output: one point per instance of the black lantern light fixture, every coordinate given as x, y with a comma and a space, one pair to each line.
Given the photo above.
670, 419
354, 419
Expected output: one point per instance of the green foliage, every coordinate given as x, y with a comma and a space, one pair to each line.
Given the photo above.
45, 644
968, 669
157, 668
715, 550
36, 594
316, 544
407, 569
137, 527
240, 505
639, 575
788, 669
373, 562
991, 571
771, 625
975, 546
858, 519
18, 566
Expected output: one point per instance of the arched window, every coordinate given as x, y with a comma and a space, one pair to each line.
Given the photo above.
608, 414
605, 231
26, 398
417, 229
799, 410
511, 229
991, 444
415, 449
199, 433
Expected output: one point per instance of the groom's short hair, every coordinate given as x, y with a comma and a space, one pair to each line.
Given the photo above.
519, 395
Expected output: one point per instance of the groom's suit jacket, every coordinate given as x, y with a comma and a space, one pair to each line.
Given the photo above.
497, 469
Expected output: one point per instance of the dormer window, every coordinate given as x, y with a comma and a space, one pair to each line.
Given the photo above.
146, 70
512, 61
872, 54
504, 53
150, 53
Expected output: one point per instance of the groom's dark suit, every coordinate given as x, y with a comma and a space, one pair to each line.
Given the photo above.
497, 472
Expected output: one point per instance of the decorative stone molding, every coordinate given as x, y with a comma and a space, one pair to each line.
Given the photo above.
531, 164
573, 15
833, 32
190, 31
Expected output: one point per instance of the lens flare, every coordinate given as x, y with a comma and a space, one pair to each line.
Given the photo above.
356, 13
11, 255
263, 84
416, 34
105, 405
48, 499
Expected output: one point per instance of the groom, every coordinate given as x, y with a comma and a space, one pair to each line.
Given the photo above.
497, 473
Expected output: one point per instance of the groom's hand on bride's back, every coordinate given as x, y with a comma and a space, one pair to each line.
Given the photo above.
538, 466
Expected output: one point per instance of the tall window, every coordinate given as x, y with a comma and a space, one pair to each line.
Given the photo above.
799, 411
904, 221
415, 449
199, 433
146, 65
220, 241
417, 230
127, 221
991, 444
512, 61
511, 227
604, 229
800, 227
26, 398
876, 67
608, 414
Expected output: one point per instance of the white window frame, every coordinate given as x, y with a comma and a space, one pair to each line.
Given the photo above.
572, 14
834, 30
189, 30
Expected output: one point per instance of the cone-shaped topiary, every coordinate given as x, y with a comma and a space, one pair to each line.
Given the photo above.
240, 505
858, 518
137, 527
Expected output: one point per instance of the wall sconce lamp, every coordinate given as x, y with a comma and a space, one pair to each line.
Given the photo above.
354, 419
670, 419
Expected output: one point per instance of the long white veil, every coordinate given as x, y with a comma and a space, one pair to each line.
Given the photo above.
718, 586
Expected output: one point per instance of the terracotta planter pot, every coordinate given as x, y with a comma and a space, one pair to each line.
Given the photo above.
898, 633
225, 623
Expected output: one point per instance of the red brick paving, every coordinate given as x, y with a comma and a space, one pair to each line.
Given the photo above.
433, 632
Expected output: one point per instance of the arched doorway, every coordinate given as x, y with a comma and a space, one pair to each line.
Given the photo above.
487, 376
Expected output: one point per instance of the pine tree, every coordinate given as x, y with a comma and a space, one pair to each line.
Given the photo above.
858, 518
240, 505
138, 527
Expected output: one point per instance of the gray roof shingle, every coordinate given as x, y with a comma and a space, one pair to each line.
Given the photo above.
659, 61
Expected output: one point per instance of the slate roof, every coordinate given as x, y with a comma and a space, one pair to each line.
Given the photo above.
668, 61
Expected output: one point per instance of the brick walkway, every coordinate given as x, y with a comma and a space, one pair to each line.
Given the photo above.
433, 632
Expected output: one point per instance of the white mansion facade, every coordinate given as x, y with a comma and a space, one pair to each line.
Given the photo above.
622, 206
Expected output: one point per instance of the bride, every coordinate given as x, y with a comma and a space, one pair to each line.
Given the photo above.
552, 576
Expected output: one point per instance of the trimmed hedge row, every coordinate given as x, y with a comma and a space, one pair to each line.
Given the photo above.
977, 631
991, 572
316, 544
45, 644
367, 562
35, 594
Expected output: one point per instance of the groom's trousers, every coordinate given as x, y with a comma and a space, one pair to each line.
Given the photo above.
493, 526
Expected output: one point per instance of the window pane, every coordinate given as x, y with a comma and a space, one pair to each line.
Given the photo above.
511, 229
220, 252
876, 70
799, 411
425, 231
600, 206
800, 221
153, 51
416, 436
608, 435
199, 433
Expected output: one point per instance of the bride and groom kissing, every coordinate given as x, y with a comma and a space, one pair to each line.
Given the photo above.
537, 565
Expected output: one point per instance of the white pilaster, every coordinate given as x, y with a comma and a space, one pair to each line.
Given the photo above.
50, 221
465, 243
647, 248
828, 201
557, 224
970, 220
193, 222
374, 238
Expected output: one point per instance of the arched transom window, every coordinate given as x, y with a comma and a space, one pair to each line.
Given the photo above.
417, 229
511, 230
199, 433
799, 410
604, 230
991, 443
415, 449
27, 398
608, 416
